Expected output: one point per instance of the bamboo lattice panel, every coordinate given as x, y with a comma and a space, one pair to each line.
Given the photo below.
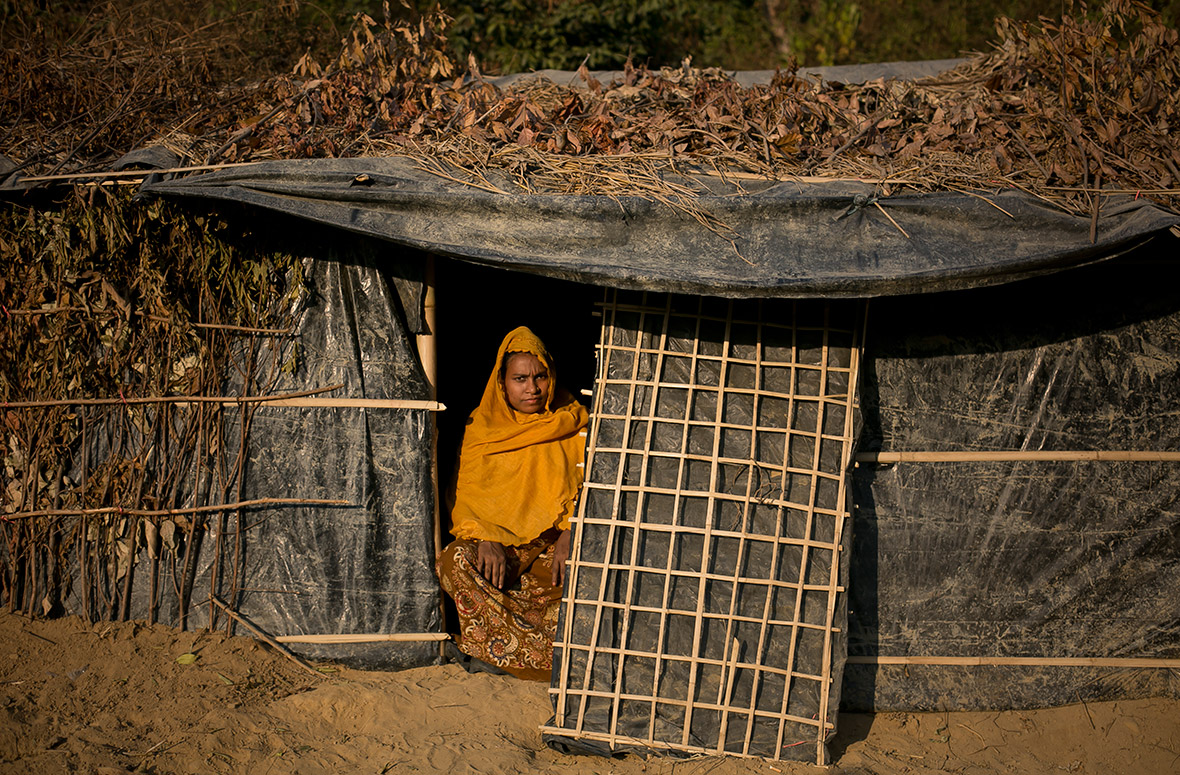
704, 608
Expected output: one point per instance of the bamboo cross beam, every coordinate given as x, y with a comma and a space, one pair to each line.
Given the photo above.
361, 403
391, 637
1128, 662
1004, 456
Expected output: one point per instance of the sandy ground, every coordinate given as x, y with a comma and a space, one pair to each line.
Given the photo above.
114, 698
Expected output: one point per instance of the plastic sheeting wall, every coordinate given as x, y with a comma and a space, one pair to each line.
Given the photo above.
369, 567
1027, 559
364, 568
705, 607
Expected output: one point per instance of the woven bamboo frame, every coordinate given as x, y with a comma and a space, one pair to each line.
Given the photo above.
643, 373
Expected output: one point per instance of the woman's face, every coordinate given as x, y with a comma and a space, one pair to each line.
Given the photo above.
526, 383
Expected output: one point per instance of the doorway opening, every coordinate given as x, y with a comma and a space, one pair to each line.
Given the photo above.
476, 307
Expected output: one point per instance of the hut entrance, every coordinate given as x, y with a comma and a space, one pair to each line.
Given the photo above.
704, 610
477, 306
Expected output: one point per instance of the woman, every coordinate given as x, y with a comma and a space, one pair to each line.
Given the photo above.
520, 469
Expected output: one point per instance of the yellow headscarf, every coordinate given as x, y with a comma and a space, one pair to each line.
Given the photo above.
519, 474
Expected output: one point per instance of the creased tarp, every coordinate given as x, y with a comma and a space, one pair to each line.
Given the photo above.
365, 568
1020, 559
789, 239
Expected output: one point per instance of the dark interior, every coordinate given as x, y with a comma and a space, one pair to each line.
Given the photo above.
476, 307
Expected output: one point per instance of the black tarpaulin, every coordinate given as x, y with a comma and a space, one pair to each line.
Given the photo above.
1041, 560
830, 238
365, 568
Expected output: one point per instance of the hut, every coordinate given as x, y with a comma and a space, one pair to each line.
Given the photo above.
855, 443
859, 468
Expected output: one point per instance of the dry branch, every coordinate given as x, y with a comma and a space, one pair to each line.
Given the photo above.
262, 634
210, 509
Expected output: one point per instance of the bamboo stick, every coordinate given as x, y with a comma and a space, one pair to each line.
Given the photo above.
428, 353
603, 585
890, 217
834, 563
1129, 662
677, 506
569, 592
775, 547
119, 510
392, 637
986, 456
707, 541
792, 408
361, 403
259, 632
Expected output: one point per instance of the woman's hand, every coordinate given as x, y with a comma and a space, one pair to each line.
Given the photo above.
492, 562
561, 554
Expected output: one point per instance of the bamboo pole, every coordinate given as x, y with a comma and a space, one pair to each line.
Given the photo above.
392, 637
1003, 456
1129, 662
360, 403
428, 354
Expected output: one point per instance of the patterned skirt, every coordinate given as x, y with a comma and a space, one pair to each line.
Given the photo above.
511, 628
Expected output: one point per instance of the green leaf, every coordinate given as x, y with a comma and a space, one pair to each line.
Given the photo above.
186, 659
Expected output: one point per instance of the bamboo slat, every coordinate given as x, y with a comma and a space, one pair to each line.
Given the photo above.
428, 354
1008, 456
712, 675
701, 595
357, 403
391, 637
1128, 662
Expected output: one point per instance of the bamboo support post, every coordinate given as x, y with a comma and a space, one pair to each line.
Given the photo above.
427, 343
